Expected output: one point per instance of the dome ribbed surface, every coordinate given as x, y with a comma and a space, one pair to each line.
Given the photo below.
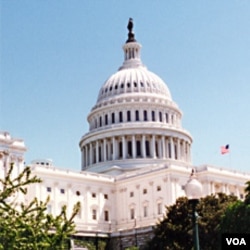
134, 80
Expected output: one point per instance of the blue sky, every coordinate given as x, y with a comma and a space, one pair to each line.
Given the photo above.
55, 56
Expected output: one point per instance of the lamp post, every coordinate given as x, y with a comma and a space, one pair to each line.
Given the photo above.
135, 232
96, 241
193, 191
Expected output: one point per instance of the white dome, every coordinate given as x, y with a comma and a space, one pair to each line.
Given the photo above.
134, 80
134, 123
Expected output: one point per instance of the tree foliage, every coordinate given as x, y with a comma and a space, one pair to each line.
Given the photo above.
175, 230
29, 226
237, 215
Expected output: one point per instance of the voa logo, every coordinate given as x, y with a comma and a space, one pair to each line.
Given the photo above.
236, 241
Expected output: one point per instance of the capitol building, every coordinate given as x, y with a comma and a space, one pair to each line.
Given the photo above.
135, 158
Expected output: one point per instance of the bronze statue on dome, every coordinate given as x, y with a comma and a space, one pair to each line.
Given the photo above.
131, 35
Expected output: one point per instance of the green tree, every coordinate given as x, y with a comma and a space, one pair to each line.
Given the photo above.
175, 230
29, 226
237, 215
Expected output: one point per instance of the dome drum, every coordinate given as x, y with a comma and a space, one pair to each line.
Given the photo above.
140, 146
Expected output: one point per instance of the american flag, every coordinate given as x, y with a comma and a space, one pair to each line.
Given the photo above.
224, 149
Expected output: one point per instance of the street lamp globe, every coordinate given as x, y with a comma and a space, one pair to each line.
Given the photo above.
193, 188
193, 191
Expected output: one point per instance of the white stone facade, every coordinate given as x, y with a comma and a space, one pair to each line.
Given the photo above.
136, 157
117, 203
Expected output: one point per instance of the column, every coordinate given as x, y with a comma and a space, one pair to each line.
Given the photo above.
178, 149
163, 147
159, 144
109, 150
133, 147
114, 148
157, 115
90, 154
189, 153
212, 187
104, 149
87, 154
143, 146
172, 147
124, 147
167, 148
83, 157
97, 151
182, 151
153, 146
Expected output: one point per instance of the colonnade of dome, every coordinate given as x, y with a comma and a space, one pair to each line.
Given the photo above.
135, 146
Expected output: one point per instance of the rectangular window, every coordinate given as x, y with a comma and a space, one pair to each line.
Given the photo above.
158, 188
120, 149
120, 117
153, 116
147, 148
131, 194
100, 153
100, 121
48, 189
62, 191
159, 208
93, 195
160, 116
145, 191
145, 211
106, 196
106, 119
113, 117
137, 115
129, 149
94, 214
128, 116
166, 117
138, 148
145, 115
106, 215
132, 213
